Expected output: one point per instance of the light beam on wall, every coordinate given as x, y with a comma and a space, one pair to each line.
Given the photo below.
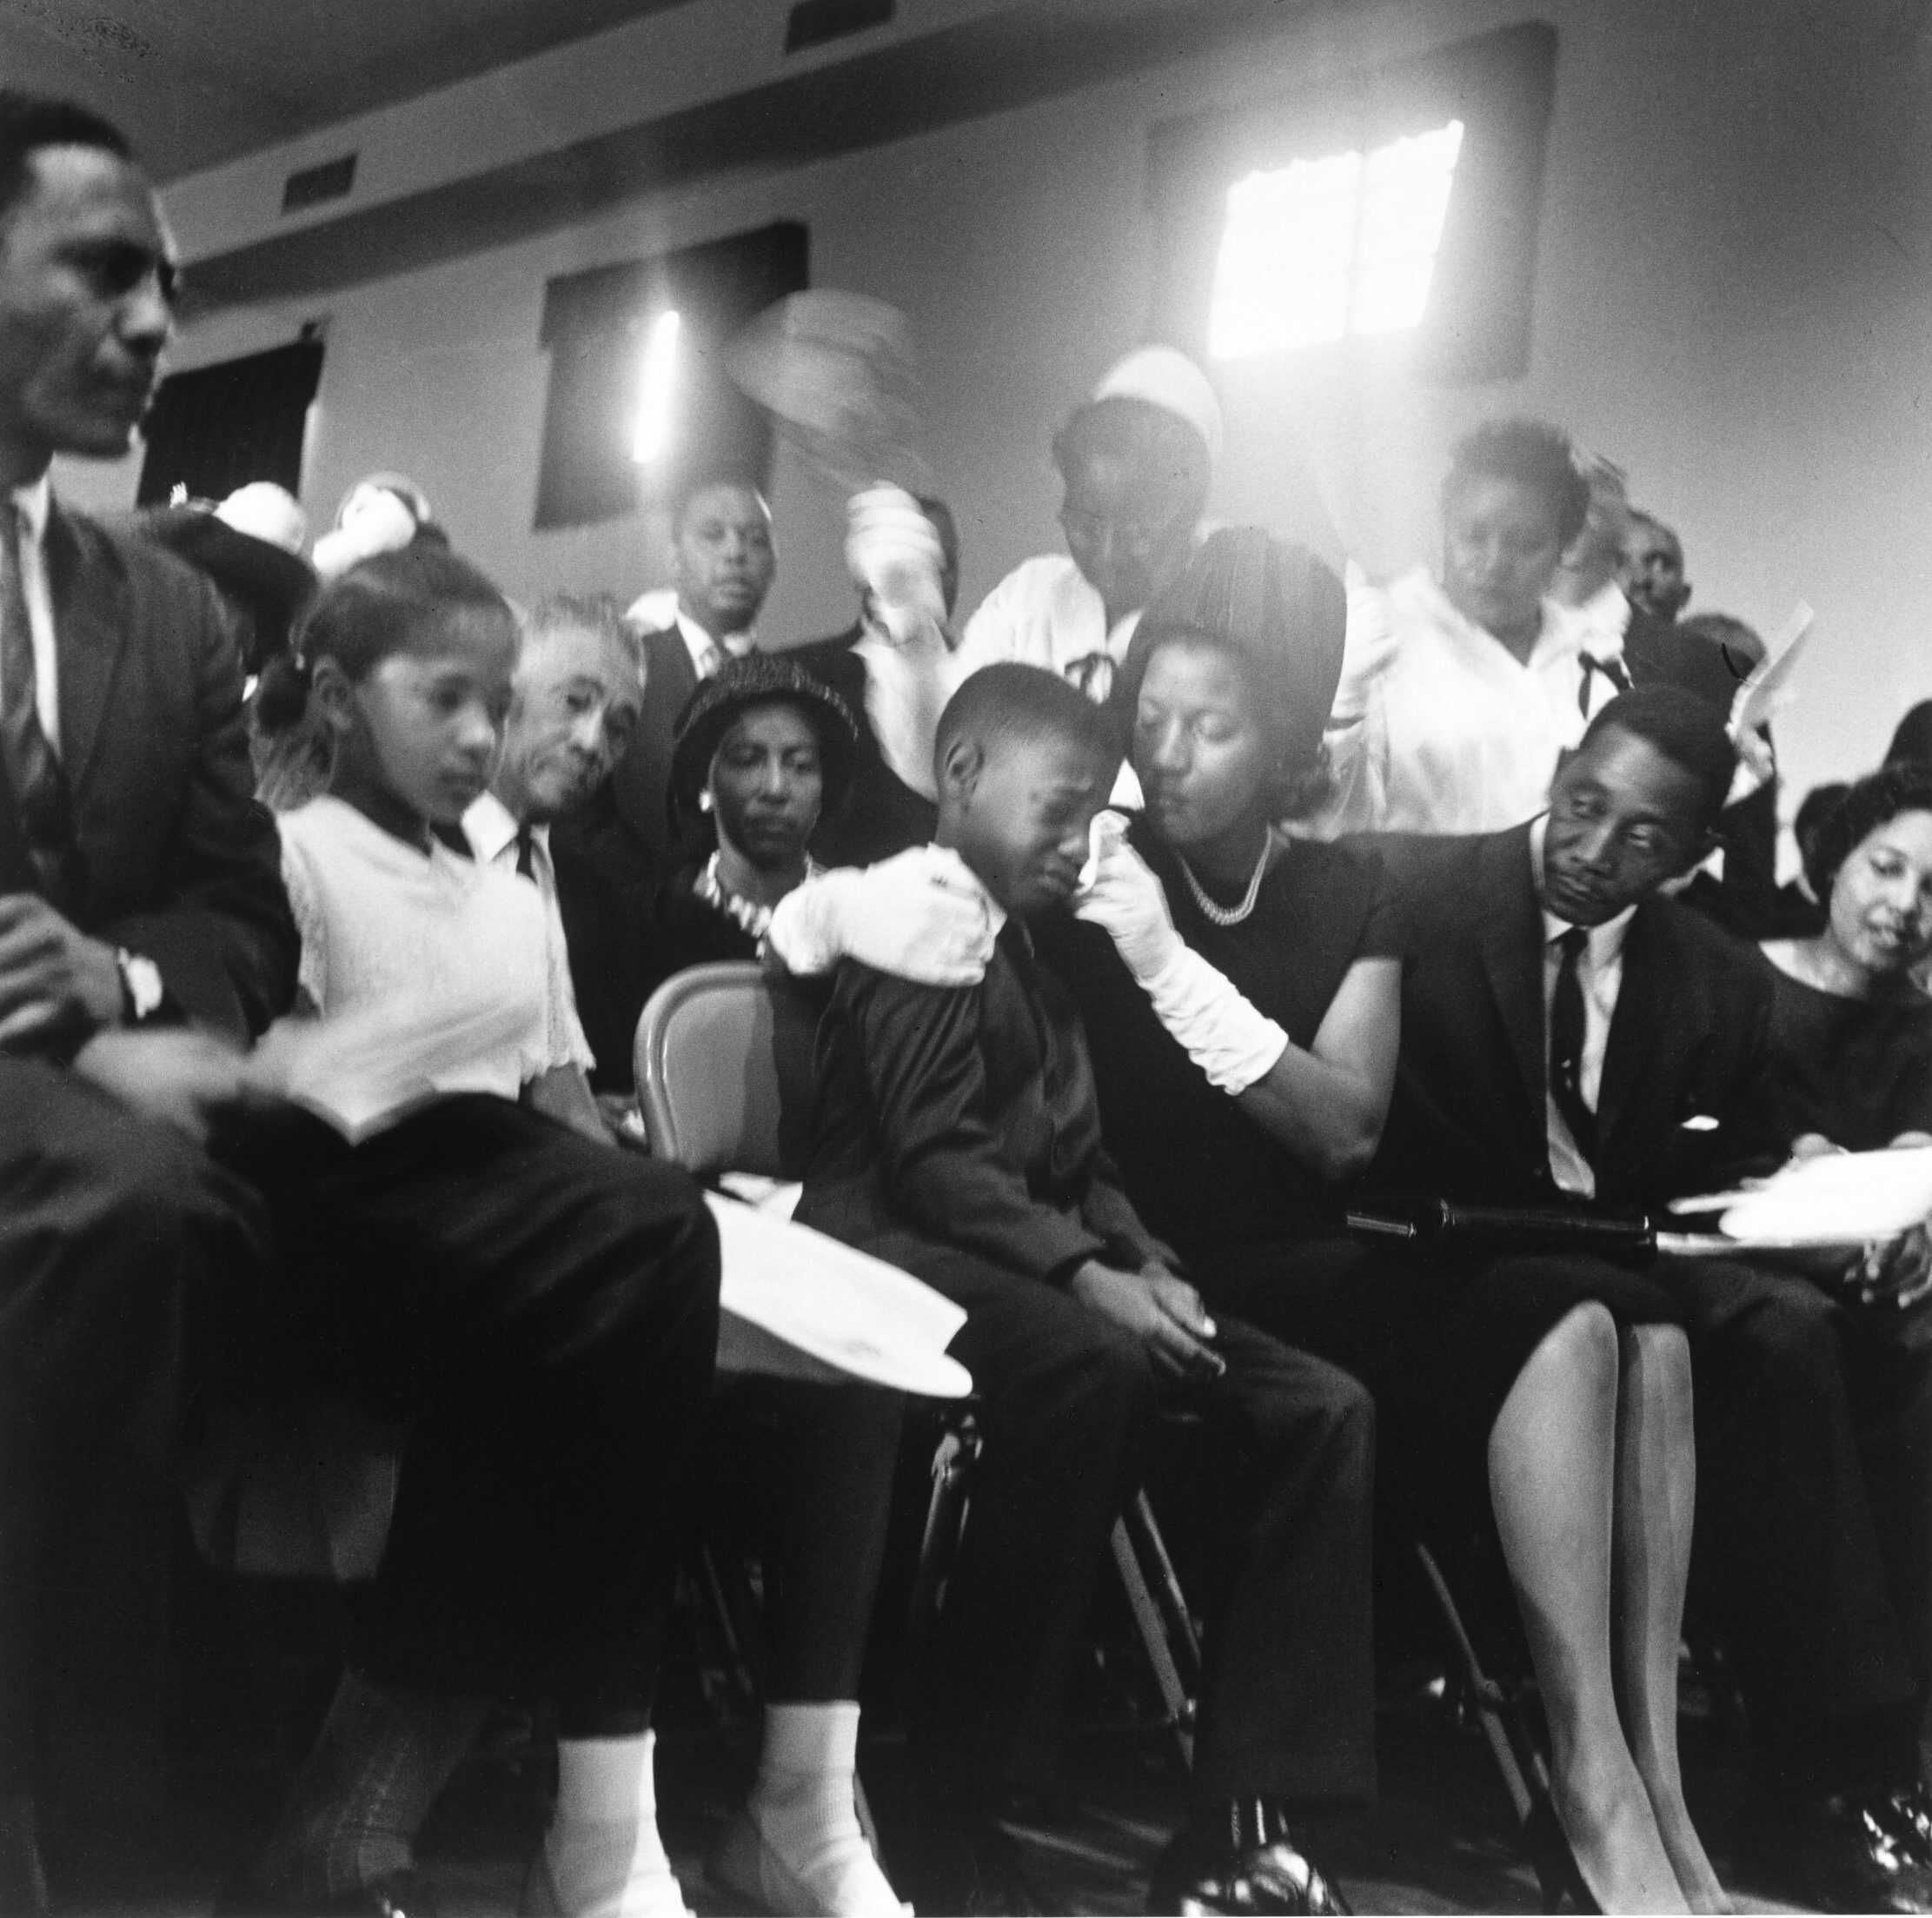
1321, 249
652, 435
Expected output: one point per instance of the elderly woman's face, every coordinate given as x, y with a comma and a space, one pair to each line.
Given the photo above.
767, 784
1882, 897
1203, 750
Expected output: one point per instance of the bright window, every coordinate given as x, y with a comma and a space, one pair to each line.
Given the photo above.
1325, 249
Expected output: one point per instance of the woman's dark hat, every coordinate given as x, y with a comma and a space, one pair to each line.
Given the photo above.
1271, 601
272, 582
757, 679
256, 570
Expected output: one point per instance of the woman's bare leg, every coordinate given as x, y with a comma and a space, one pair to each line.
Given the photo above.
1552, 1457
1656, 1489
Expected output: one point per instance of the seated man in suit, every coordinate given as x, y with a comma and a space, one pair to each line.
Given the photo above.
1568, 1035
957, 1135
575, 704
722, 565
140, 886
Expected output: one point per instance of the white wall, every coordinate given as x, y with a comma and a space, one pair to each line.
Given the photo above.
1734, 300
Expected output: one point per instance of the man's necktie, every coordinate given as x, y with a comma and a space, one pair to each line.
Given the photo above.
710, 661
1566, 1043
27, 757
526, 851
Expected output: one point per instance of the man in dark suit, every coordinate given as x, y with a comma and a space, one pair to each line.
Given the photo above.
578, 696
956, 1135
722, 564
1569, 1036
140, 885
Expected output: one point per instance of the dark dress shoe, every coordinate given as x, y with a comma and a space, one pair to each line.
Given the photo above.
396, 1894
1246, 1862
1842, 1854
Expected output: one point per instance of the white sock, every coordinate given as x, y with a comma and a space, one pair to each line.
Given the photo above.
604, 1854
803, 1808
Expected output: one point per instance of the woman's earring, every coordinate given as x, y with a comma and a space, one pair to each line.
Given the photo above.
704, 800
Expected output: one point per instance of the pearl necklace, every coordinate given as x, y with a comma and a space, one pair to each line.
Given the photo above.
748, 915
1229, 915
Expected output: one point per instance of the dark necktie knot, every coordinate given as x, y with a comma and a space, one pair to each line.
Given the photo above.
526, 851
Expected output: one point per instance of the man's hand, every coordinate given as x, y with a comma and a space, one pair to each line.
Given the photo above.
56, 983
1162, 1312
181, 1075
919, 916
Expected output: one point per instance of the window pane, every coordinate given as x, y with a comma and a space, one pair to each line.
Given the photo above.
1323, 248
1283, 276
1405, 198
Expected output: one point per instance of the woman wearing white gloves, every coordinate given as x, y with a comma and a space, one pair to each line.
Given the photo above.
1242, 994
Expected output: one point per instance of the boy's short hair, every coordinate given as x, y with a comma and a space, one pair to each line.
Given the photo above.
1008, 704
1688, 732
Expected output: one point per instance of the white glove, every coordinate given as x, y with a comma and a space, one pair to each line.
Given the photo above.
1232, 1041
921, 915
892, 550
1120, 893
372, 520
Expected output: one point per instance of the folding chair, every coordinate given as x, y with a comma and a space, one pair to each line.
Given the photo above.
724, 1070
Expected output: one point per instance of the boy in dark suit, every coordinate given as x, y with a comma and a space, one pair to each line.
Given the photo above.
957, 1135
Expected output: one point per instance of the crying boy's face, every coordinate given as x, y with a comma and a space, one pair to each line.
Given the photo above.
1023, 825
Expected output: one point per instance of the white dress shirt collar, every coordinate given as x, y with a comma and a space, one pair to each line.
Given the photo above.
33, 502
492, 830
658, 610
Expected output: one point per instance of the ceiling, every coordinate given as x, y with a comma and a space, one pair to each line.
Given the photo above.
196, 81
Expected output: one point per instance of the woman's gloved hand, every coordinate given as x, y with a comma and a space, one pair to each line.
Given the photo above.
893, 551
919, 915
1120, 893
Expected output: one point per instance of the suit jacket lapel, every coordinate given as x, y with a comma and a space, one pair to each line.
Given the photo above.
90, 635
1635, 1036
16, 871
1512, 958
